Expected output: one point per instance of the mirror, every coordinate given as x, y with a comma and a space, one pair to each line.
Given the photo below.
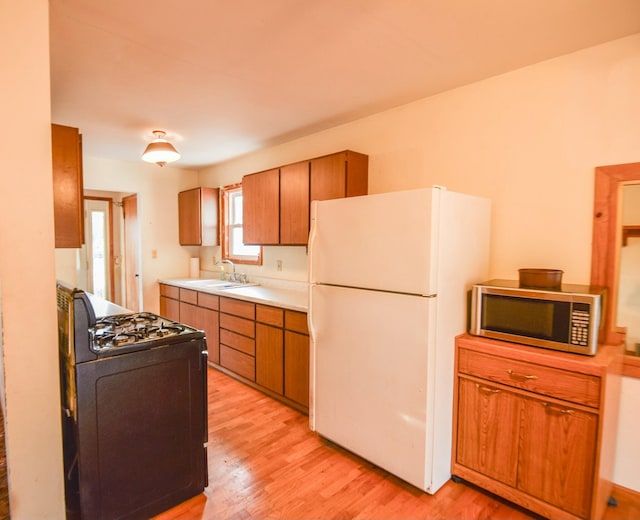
607, 239
629, 266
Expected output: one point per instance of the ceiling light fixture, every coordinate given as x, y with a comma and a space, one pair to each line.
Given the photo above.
160, 151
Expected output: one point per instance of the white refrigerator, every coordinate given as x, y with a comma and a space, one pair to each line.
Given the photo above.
389, 276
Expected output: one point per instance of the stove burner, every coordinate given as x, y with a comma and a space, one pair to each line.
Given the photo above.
143, 317
164, 330
126, 330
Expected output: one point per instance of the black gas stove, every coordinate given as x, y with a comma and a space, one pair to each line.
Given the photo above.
123, 333
134, 411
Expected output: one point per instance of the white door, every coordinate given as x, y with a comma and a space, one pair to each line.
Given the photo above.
369, 375
385, 241
98, 247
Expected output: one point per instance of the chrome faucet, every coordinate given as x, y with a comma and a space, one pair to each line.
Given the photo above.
232, 276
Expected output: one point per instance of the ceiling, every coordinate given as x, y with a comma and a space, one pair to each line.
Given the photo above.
224, 78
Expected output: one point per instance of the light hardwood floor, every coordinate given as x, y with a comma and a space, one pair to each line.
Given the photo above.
265, 463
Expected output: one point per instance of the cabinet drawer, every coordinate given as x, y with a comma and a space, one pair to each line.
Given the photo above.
237, 362
238, 308
189, 296
239, 325
561, 384
210, 301
296, 321
169, 291
238, 342
269, 315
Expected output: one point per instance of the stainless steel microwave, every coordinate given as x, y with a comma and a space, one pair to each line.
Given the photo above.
565, 319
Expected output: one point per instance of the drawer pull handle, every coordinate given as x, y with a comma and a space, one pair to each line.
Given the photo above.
557, 409
521, 377
487, 390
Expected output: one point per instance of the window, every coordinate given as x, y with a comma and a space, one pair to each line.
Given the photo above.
232, 246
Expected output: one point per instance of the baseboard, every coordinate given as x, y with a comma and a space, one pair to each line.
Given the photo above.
628, 494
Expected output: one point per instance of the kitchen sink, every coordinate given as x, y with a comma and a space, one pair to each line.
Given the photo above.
214, 284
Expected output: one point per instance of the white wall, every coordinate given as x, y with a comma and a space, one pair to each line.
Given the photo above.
30, 389
626, 471
529, 140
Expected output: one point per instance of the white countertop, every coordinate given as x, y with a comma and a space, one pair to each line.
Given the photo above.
102, 307
286, 298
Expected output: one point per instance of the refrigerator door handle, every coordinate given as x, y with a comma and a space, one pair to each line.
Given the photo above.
312, 243
312, 361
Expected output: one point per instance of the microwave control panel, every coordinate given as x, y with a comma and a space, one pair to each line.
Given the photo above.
580, 324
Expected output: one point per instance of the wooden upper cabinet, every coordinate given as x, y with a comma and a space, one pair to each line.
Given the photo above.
294, 203
261, 207
343, 174
276, 202
198, 217
66, 155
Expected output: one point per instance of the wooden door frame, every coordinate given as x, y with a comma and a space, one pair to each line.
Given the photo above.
607, 237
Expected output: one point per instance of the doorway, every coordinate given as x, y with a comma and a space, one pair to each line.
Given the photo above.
98, 225
108, 264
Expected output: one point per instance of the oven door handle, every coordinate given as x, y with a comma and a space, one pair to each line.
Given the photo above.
204, 356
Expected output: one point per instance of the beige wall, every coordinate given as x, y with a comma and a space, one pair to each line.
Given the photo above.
529, 140
30, 392
157, 190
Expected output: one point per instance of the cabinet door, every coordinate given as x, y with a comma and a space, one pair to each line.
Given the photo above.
294, 204
261, 207
488, 425
189, 315
343, 174
206, 320
170, 308
198, 217
269, 357
296, 367
66, 156
557, 455
189, 217
209, 322
209, 216
328, 176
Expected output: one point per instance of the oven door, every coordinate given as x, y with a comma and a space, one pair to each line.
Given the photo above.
141, 430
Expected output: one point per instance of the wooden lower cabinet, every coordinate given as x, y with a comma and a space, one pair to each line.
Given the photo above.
206, 320
269, 357
264, 346
170, 302
514, 437
282, 354
198, 310
488, 435
296, 367
558, 454
237, 337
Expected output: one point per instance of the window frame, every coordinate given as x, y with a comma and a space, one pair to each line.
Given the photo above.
225, 239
